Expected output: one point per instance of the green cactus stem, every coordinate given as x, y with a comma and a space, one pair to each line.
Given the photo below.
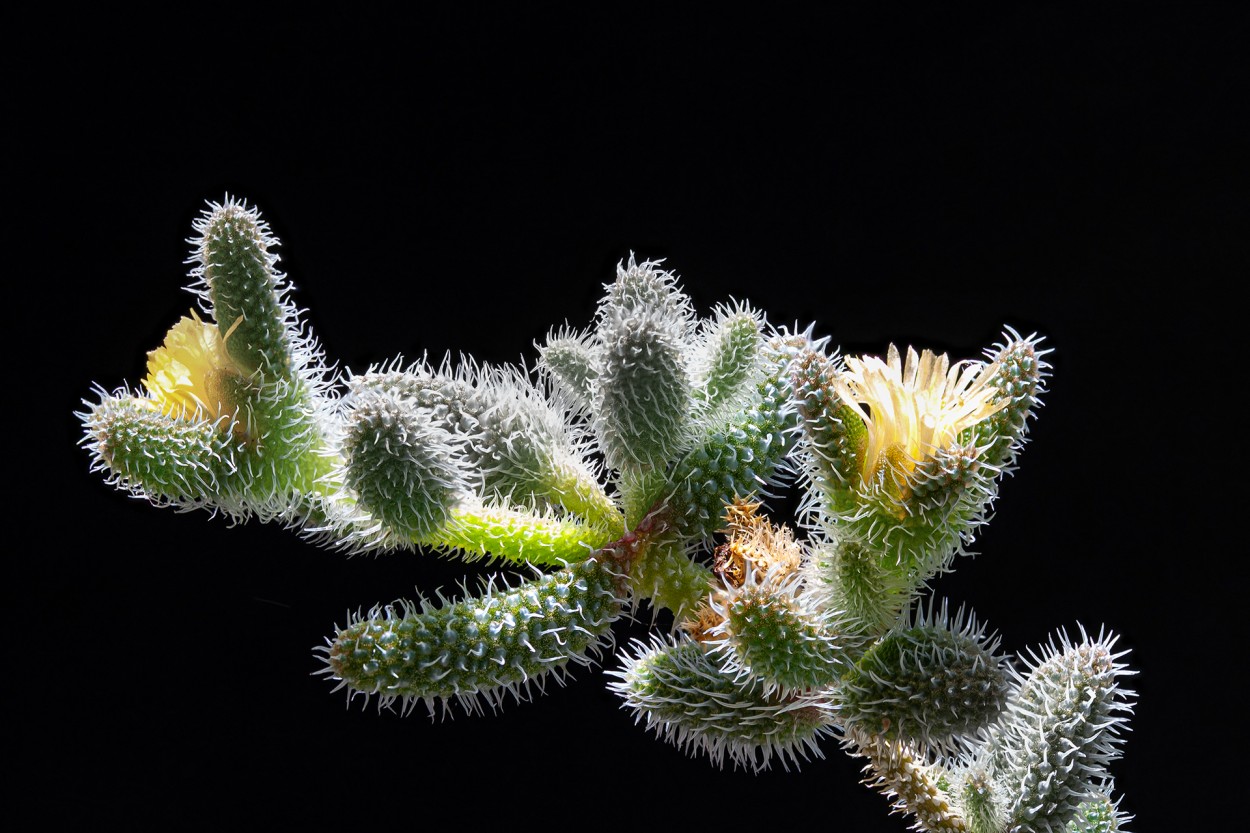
479, 650
682, 694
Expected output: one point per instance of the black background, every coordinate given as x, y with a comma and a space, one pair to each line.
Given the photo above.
464, 184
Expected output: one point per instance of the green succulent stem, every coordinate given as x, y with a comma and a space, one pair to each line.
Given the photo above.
896, 769
496, 532
481, 648
667, 576
577, 492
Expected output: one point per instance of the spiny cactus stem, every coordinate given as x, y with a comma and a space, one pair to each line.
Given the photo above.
901, 774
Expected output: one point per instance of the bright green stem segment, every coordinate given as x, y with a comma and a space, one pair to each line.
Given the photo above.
514, 535
487, 646
244, 287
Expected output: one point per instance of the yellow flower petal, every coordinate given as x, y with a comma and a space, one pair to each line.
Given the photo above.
185, 374
914, 408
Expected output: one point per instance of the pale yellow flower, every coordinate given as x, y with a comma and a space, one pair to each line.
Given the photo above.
187, 375
913, 409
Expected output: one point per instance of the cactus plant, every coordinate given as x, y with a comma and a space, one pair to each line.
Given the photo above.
631, 465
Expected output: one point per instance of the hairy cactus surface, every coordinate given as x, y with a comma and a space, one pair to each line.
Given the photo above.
630, 465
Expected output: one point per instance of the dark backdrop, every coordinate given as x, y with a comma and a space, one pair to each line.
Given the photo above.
463, 185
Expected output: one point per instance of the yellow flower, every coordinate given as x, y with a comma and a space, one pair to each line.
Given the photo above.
187, 374
915, 408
